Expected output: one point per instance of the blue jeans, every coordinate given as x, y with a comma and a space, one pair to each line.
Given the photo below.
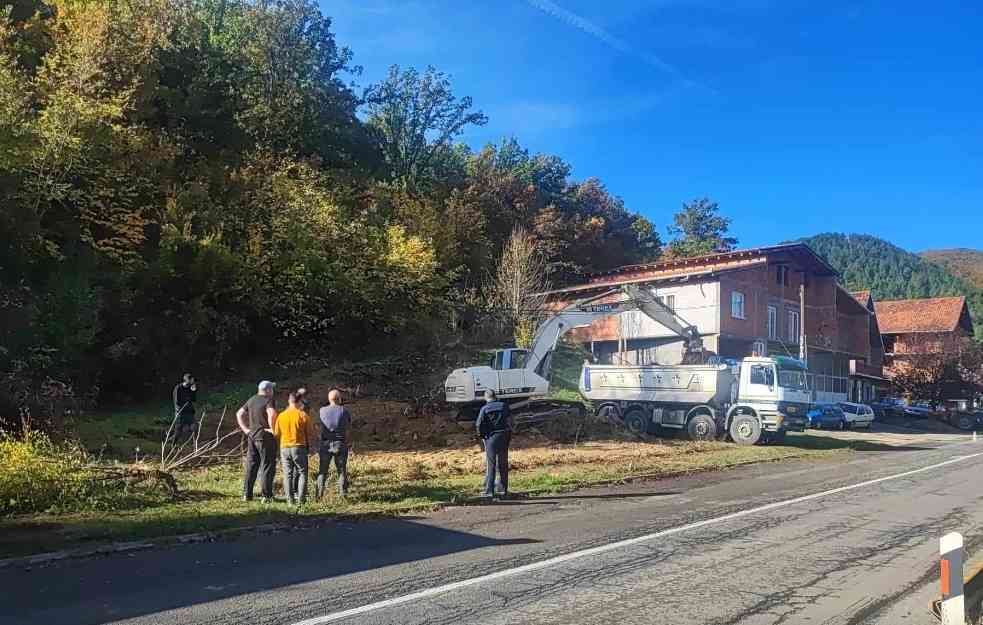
497, 455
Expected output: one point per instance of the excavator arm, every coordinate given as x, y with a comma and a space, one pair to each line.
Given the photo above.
586, 311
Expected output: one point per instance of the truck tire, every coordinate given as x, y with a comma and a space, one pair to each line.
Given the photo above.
702, 427
637, 422
745, 430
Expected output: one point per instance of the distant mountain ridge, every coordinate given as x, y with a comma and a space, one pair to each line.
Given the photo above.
963, 263
867, 262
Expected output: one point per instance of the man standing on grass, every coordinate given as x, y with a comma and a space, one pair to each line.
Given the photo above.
336, 438
256, 419
295, 431
494, 425
185, 393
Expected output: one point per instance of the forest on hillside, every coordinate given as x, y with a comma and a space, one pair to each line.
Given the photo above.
889, 272
962, 263
200, 183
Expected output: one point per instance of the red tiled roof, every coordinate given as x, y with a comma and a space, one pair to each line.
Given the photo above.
862, 296
938, 314
723, 257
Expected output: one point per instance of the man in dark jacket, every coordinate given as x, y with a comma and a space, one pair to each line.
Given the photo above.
184, 396
494, 426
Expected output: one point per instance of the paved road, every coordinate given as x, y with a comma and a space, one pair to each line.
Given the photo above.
861, 555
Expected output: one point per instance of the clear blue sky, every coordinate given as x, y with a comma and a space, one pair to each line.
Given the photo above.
797, 117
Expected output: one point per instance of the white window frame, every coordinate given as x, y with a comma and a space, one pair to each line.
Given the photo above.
737, 305
772, 322
671, 302
793, 325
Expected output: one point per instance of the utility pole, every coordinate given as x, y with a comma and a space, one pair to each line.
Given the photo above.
803, 350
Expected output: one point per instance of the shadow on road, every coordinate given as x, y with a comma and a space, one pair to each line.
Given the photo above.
811, 441
145, 583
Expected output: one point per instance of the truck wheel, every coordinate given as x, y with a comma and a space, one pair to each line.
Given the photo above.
745, 430
702, 427
636, 422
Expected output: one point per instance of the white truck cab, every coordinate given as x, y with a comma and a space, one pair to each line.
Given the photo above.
774, 390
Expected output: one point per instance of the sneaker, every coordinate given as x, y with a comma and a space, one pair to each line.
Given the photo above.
267, 500
486, 495
247, 498
503, 495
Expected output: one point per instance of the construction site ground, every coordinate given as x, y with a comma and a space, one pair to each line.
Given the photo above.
409, 455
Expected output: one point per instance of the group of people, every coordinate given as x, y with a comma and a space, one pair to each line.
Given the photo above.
292, 436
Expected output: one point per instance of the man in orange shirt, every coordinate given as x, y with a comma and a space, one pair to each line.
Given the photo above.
297, 434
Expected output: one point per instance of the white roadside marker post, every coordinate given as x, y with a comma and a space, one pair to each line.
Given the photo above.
953, 608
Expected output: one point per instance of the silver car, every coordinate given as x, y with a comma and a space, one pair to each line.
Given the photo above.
857, 415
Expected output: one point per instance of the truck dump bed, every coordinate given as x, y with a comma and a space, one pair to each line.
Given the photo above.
683, 384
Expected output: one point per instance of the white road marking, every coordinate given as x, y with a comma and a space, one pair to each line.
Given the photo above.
576, 555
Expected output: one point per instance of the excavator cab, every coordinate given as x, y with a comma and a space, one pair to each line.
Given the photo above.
510, 365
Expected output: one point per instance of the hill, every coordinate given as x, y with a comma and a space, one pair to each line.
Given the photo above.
890, 272
961, 262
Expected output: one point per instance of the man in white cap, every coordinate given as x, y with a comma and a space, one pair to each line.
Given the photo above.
256, 420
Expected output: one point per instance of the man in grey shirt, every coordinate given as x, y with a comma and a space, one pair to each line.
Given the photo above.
256, 419
336, 436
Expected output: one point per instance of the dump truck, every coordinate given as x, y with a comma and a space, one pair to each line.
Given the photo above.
754, 400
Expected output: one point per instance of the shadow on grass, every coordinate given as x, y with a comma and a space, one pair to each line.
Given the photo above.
808, 441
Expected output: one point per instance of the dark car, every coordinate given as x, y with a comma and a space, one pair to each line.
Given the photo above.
888, 407
827, 416
967, 420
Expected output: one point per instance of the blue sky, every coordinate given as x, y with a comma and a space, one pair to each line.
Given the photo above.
797, 117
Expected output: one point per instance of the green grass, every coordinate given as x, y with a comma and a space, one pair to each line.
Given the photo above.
117, 434
211, 497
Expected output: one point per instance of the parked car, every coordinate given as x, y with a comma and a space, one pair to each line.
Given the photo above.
918, 410
827, 416
857, 415
967, 420
888, 407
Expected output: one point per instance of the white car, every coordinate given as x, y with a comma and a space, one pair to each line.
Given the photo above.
857, 415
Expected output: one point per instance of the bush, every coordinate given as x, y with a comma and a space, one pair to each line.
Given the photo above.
39, 475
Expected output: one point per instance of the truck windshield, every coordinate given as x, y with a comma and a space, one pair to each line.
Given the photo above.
792, 378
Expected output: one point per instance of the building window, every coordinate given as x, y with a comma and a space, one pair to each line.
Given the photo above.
781, 276
772, 323
737, 305
793, 326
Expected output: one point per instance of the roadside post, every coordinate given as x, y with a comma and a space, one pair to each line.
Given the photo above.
952, 607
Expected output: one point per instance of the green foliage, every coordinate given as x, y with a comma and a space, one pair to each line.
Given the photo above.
41, 476
185, 185
700, 230
889, 272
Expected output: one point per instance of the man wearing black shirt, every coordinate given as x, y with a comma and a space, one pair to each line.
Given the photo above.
184, 396
256, 419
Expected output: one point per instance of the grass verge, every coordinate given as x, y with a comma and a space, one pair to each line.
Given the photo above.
384, 483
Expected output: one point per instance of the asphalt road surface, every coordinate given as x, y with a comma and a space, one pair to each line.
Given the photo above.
848, 541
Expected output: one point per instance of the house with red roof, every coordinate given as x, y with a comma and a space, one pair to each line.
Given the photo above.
931, 325
779, 300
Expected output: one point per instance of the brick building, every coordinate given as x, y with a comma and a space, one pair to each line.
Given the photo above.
744, 302
930, 325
